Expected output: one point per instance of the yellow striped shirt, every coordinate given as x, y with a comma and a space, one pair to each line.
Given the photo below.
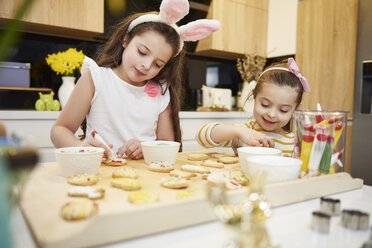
283, 142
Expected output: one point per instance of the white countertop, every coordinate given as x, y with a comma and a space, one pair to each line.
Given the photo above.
32, 114
290, 226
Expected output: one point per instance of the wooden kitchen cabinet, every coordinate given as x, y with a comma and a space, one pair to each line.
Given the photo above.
243, 29
326, 51
81, 19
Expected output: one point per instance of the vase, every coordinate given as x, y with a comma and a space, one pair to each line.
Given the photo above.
64, 92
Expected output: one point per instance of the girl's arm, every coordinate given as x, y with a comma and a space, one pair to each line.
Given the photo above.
165, 129
221, 133
73, 115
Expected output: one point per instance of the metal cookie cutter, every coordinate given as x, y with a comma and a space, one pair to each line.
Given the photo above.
368, 244
321, 222
355, 219
330, 206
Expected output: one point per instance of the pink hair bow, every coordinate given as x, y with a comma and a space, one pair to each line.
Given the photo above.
293, 68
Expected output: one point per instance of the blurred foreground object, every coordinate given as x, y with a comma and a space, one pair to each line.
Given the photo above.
15, 164
244, 220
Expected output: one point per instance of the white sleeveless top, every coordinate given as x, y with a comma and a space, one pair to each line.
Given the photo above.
120, 111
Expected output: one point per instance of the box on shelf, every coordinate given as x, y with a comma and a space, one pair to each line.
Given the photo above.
14, 74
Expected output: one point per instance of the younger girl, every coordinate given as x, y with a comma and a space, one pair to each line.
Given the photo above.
132, 93
277, 94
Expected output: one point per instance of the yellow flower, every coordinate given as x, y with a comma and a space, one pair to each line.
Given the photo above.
65, 63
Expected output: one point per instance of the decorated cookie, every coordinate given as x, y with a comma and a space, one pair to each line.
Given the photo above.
232, 184
161, 166
212, 163
185, 194
172, 182
126, 183
197, 156
220, 155
86, 191
239, 177
115, 161
195, 169
228, 160
83, 179
182, 174
79, 209
126, 172
141, 197
231, 179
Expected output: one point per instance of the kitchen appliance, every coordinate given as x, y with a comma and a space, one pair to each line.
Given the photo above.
361, 155
216, 97
13, 74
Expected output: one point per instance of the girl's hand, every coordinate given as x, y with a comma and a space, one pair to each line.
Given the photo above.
96, 143
254, 138
132, 149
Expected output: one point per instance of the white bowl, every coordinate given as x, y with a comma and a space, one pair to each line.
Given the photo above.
278, 168
79, 160
249, 151
160, 150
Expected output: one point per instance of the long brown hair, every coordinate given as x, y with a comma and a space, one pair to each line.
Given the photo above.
281, 78
171, 74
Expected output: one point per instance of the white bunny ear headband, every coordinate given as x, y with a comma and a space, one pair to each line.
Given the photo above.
171, 11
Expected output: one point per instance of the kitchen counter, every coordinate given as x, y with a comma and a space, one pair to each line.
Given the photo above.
37, 125
288, 227
31, 114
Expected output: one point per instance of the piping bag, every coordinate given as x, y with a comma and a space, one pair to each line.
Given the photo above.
98, 137
320, 141
325, 162
338, 132
335, 159
319, 117
306, 145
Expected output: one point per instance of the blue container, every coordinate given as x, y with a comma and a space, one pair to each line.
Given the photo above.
13, 74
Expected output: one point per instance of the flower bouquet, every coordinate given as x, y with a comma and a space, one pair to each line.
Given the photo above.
65, 63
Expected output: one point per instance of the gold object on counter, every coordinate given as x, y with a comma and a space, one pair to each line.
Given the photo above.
245, 219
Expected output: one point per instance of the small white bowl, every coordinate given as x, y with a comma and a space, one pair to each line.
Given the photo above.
160, 150
278, 168
79, 160
249, 151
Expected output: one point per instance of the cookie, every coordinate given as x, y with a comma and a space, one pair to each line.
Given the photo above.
239, 177
197, 156
232, 185
126, 172
161, 166
83, 179
173, 182
185, 194
115, 161
220, 155
78, 209
195, 169
86, 191
228, 160
212, 163
182, 174
126, 184
141, 197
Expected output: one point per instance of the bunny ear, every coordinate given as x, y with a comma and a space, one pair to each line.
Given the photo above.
171, 11
198, 30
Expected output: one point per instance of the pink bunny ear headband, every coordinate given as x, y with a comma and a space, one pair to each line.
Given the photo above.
171, 11
293, 68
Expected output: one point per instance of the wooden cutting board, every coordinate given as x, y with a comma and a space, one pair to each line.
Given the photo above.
45, 192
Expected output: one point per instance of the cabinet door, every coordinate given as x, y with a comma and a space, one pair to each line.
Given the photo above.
326, 50
243, 29
69, 18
